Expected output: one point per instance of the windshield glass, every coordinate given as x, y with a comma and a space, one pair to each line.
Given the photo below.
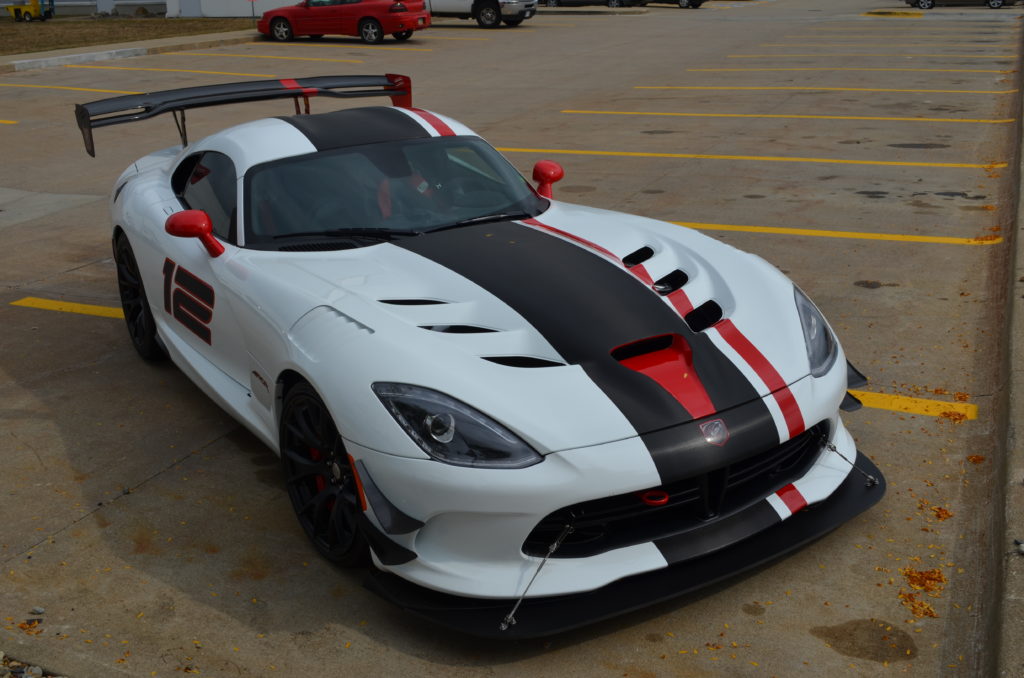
398, 187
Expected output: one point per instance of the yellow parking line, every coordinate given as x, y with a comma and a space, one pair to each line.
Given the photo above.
355, 45
850, 235
757, 158
904, 70
887, 44
260, 56
925, 406
811, 88
171, 70
69, 307
799, 117
884, 56
73, 89
8, 122
447, 37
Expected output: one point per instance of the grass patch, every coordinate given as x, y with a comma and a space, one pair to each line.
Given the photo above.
59, 33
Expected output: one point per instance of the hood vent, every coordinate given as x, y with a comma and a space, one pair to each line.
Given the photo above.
642, 347
457, 329
411, 302
704, 316
638, 257
522, 361
670, 283
318, 246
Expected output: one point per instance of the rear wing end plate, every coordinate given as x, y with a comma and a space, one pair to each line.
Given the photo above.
133, 107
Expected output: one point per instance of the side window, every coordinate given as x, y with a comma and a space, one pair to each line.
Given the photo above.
208, 182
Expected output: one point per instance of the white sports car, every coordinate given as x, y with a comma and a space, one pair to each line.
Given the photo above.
522, 410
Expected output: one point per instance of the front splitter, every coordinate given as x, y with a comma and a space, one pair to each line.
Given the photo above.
553, 614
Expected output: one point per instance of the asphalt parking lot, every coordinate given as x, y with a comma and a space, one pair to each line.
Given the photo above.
871, 156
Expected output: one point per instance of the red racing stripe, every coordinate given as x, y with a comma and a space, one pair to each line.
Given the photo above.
768, 374
294, 84
792, 498
439, 125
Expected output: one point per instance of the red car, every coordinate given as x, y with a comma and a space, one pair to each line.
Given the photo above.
371, 20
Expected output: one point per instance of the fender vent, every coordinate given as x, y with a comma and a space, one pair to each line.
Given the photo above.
457, 329
670, 283
704, 316
638, 257
522, 361
411, 302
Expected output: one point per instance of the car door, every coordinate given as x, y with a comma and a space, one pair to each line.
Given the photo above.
196, 305
349, 12
320, 17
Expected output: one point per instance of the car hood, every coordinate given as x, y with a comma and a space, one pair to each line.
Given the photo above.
558, 303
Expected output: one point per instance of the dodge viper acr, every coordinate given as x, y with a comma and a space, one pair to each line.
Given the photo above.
529, 414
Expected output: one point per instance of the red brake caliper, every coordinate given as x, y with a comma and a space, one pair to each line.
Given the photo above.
321, 482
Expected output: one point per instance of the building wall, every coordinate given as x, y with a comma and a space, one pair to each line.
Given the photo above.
223, 8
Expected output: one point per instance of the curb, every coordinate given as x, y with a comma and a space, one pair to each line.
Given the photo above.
65, 57
1010, 606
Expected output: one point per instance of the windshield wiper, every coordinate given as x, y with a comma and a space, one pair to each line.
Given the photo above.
484, 219
375, 233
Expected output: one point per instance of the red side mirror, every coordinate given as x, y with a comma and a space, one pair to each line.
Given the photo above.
545, 173
194, 224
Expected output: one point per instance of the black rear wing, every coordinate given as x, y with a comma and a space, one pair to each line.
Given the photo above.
132, 107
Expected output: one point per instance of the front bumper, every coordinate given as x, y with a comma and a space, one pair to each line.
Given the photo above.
553, 614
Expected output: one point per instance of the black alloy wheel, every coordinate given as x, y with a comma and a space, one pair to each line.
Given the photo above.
321, 482
137, 316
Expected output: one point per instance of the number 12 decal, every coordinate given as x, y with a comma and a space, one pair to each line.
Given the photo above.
189, 299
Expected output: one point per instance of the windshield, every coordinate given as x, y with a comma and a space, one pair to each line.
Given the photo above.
400, 187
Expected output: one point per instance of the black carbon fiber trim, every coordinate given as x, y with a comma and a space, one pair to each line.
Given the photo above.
538, 617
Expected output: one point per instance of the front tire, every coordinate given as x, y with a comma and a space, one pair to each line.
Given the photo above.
488, 15
402, 36
281, 30
925, 4
371, 32
615, 3
320, 479
995, 4
137, 315
512, 23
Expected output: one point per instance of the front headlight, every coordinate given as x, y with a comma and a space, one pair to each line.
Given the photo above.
821, 345
453, 432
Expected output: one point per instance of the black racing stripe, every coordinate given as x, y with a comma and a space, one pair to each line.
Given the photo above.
353, 127
707, 539
586, 306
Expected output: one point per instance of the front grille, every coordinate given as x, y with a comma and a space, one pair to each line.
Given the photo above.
623, 520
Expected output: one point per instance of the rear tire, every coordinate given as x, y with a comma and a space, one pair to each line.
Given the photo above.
995, 4
512, 23
281, 30
320, 479
488, 14
137, 315
402, 36
925, 4
371, 32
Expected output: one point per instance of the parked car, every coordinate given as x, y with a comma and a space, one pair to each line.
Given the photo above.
487, 13
523, 410
929, 4
370, 20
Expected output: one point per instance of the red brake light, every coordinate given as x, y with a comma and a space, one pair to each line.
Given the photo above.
397, 7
